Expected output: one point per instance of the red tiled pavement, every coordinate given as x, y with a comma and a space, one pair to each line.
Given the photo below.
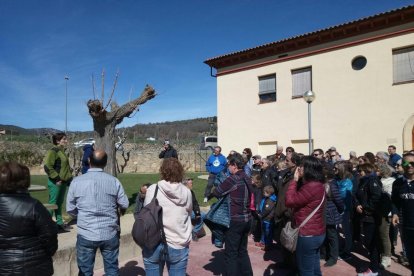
206, 259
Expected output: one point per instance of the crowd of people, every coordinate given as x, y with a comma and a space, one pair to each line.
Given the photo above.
337, 203
366, 200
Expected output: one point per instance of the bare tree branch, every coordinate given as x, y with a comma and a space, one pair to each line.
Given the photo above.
127, 109
113, 89
93, 86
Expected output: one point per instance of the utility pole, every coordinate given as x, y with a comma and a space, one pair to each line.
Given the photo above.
66, 103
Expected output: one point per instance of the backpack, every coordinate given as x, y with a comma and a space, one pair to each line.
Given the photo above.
148, 229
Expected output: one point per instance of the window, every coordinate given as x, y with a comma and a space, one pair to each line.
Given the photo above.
403, 65
359, 62
301, 81
267, 89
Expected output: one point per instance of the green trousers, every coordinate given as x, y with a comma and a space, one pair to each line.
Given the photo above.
56, 196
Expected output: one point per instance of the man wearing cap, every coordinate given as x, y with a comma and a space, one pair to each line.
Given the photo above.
168, 151
215, 164
257, 164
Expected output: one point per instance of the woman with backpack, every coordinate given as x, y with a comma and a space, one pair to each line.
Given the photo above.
176, 202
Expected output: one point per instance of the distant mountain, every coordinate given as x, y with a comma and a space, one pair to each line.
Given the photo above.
15, 130
183, 130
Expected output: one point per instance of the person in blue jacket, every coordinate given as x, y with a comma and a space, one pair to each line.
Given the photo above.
87, 152
215, 164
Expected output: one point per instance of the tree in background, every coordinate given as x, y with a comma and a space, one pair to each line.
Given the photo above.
105, 122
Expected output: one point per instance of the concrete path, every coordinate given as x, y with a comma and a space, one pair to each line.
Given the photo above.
206, 259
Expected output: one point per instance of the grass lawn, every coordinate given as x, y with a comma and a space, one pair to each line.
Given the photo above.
131, 184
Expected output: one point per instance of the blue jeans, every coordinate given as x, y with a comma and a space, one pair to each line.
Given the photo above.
235, 249
267, 233
199, 225
86, 251
307, 255
176, 262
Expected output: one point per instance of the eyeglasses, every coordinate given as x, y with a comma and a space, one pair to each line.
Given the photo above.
406, 164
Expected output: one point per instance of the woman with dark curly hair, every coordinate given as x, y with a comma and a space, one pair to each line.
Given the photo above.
176, 202
28, 235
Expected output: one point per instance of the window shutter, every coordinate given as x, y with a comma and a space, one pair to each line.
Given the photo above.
403, 65
301, 81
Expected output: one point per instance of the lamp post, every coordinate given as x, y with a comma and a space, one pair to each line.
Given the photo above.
309, 96
66, 103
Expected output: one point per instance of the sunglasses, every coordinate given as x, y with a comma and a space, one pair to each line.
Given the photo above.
406, 164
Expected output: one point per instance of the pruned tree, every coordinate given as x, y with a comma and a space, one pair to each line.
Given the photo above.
105, 122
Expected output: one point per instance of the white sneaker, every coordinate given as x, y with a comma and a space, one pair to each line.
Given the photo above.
386, 261
368, 272
205, 200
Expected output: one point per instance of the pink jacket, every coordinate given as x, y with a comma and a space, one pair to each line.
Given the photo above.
303, 203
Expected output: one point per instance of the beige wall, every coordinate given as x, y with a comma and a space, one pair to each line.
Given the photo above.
353, 110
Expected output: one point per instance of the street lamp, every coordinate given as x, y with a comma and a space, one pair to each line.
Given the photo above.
309, 96
66, 109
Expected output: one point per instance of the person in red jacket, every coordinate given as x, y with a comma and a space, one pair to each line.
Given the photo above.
305, 193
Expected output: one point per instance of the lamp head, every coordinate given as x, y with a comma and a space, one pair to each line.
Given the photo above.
309, 96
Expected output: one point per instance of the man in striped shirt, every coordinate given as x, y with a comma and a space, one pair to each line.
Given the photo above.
94, 198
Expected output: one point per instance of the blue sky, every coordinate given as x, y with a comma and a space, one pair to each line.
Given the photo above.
161, 43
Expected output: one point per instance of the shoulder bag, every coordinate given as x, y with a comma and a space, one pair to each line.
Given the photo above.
289, 235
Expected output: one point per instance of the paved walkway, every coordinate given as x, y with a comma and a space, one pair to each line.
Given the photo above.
206, 259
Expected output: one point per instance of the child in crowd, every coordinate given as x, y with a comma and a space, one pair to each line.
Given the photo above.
141, 197
266, 214
256, 228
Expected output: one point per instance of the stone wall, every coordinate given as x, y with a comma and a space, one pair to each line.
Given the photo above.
145, 160
148, 161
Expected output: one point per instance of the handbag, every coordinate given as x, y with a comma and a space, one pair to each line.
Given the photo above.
289, 235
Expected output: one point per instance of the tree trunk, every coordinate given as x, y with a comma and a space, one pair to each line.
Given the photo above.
104, 123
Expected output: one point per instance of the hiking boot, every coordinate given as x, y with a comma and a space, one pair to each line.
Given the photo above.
330, 262
403, 260
201, 233
62, 228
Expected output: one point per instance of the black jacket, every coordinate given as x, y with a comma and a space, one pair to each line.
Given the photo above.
196, 206
28, 236
368, 196
334, 204
403, 200
170, 152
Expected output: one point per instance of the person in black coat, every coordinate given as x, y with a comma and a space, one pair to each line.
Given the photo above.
28, 235
334, 209
367, 205
168, 151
